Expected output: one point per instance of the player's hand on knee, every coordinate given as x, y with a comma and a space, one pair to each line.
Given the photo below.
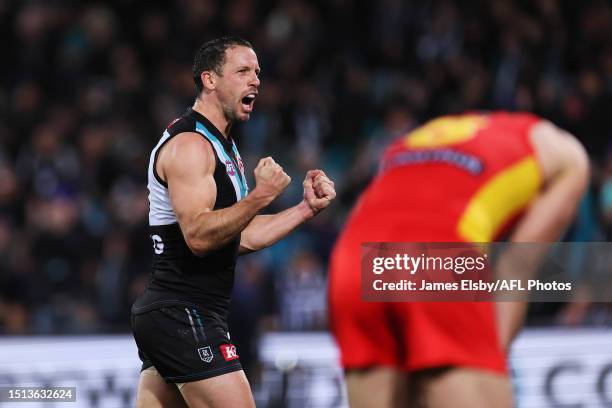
319, 190
270, 179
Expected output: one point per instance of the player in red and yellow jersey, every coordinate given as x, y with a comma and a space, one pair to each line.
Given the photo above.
463, 178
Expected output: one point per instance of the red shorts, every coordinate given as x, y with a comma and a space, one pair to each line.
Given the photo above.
410, 336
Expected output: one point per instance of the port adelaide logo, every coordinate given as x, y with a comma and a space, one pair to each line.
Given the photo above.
229, 168
205, 354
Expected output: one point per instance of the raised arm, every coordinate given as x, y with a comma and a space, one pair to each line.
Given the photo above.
265, 230
565, 168
187, 163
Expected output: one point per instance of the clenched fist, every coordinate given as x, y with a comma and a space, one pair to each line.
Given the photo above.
270, 179
318, 190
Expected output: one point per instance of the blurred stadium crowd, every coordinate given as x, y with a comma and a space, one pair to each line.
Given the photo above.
86, 89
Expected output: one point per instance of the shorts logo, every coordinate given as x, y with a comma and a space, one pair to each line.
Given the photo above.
229, 168
205, 354
229, 352
158, 244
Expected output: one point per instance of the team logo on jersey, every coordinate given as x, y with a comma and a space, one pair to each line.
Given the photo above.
446, 131
228, 351
158, 244
206, 354
229, 168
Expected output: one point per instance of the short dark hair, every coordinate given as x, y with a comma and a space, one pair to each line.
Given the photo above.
211, 57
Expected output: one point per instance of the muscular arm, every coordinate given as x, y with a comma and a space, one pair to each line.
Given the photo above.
187, 163
565, 168
265, 230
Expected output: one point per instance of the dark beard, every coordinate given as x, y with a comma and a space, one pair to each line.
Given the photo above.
231, 114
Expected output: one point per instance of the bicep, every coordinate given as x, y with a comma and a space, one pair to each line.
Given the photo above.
188, 164
565, 167
558, 152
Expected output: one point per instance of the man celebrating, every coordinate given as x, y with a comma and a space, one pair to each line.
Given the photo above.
201, 219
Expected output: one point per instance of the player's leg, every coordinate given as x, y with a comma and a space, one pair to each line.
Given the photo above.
366, 334
461, 388
229, 390
192, 349
382, 387
454, 355
154, 392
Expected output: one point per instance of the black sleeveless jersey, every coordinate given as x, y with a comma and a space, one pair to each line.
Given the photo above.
178, 276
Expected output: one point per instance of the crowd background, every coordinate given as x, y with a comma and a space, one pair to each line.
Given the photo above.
86, 89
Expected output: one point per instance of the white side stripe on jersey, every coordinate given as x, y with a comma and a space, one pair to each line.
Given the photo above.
160, 208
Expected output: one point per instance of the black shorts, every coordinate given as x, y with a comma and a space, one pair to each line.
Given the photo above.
184, 344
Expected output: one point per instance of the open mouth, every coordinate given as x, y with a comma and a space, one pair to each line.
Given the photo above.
247, 101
